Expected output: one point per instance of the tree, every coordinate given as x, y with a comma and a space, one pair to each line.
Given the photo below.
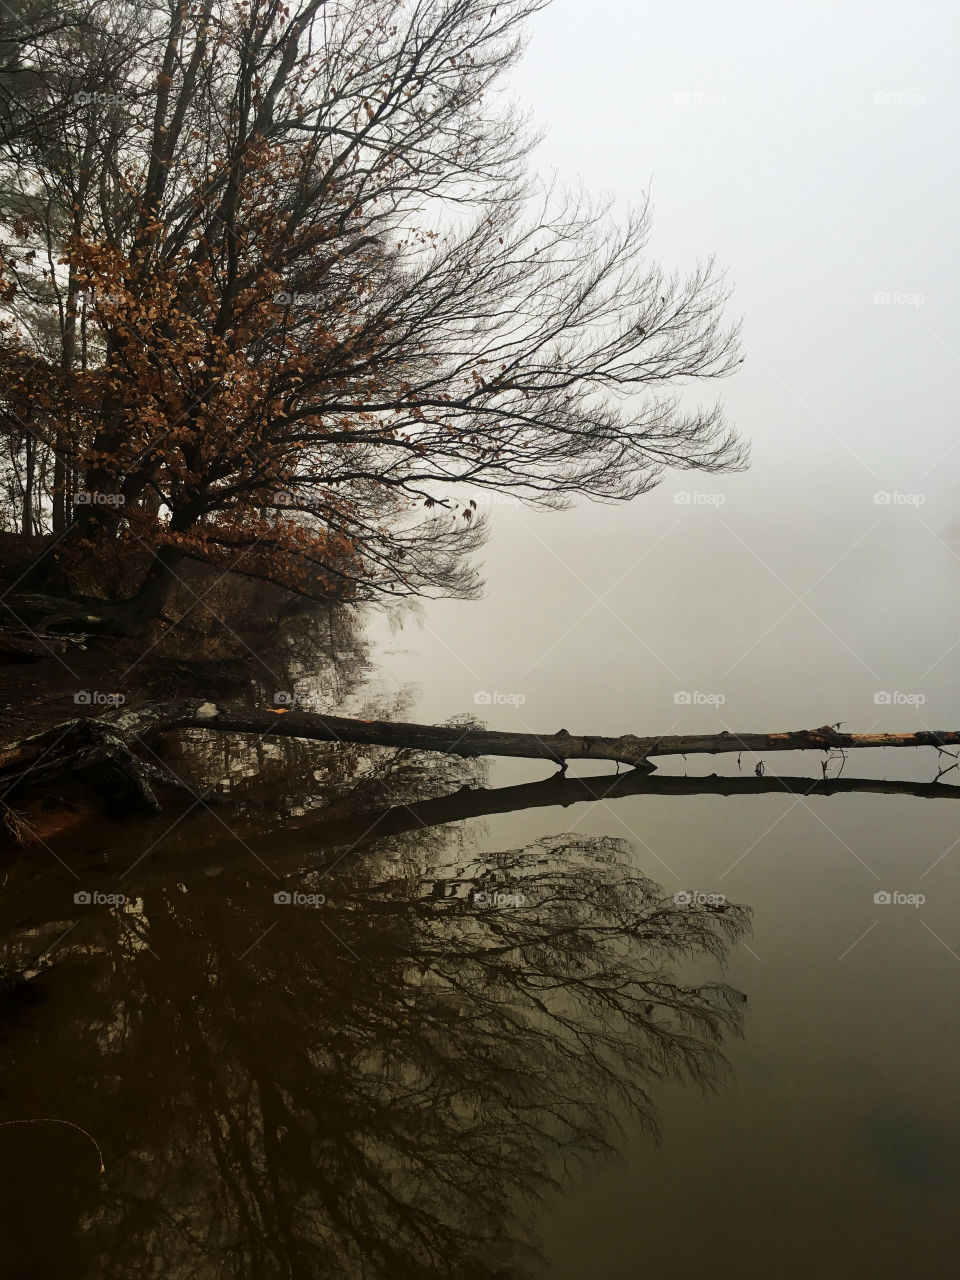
56, 58
324, 308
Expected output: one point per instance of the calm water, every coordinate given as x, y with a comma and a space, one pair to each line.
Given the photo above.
489, 1038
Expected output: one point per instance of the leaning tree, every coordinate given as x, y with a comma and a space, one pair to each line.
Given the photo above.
316, 303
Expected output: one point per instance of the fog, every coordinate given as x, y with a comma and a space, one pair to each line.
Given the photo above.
811, 149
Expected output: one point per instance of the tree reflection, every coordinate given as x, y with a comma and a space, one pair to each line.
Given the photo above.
373, 1087
320, 663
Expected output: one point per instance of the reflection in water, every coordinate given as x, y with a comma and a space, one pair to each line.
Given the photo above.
372, 1087
367, 1088
320, 663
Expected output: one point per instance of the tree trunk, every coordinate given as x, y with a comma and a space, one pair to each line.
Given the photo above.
67, 350
145, 721
558, 747
145, 606
26, 523
59, 485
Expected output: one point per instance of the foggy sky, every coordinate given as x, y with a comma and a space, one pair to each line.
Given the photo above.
813, 149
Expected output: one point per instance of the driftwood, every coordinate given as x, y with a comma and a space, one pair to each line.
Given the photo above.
61, 614
88, 758
105, 746
152, 718
20, 646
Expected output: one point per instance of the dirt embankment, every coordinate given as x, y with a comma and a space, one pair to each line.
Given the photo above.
61, 657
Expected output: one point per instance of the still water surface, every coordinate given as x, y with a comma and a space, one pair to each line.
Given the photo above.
489, 1038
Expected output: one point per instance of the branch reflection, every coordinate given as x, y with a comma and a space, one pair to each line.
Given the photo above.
374, 1086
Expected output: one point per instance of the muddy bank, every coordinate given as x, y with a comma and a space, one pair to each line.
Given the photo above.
62, 657
251, 648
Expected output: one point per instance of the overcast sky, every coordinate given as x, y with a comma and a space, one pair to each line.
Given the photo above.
813, 148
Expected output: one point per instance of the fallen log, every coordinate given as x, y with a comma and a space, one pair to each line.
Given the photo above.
22, 646
39, 612
116, 735
151, 718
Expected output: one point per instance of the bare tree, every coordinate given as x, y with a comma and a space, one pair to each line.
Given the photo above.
330, 307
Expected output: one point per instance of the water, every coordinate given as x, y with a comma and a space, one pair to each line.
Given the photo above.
572, 1072
278, 1090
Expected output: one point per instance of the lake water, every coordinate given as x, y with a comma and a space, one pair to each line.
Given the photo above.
487, 1037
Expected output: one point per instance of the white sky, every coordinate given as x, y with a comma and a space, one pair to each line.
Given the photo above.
813, 148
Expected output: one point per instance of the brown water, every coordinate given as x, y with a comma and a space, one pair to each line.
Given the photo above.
573, 1072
